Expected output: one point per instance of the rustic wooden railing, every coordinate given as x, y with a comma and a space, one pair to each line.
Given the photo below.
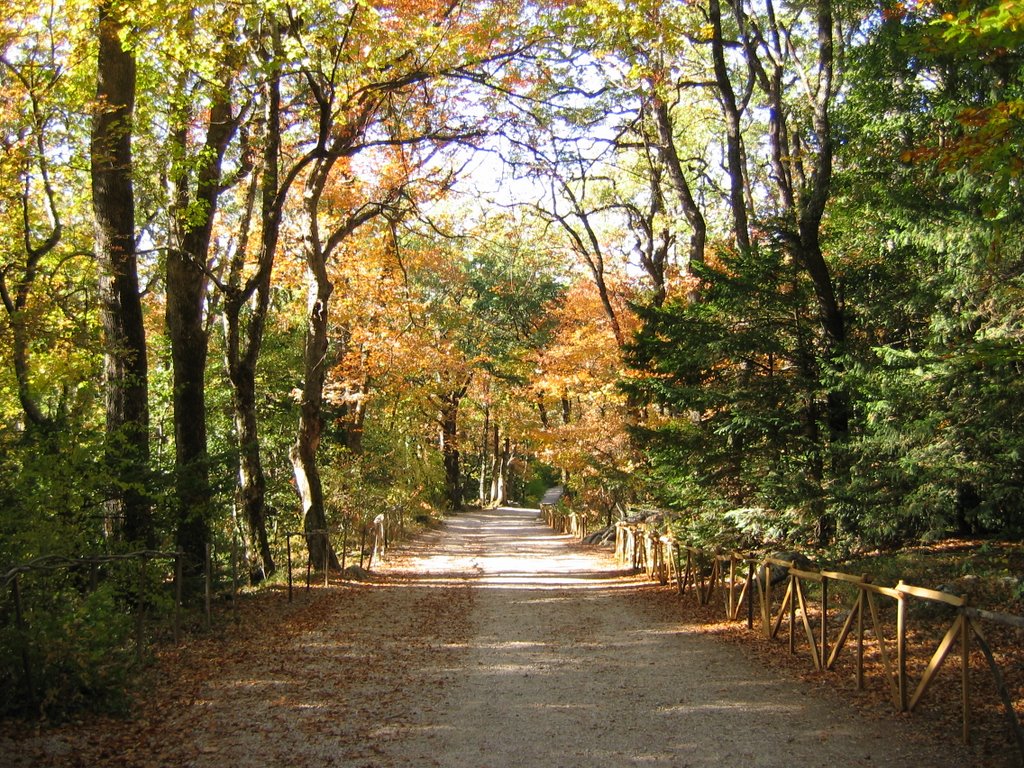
564, 521
745, 579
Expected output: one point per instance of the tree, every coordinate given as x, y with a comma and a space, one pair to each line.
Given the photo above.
126, 372
196, 186
40, 227
246, 291
931, 222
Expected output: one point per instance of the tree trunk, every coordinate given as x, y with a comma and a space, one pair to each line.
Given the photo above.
484, 455
314, 366
189, 343
733, 137
669, 155
242, 346
308, 483
495, 464
355, 406
113, 199
504, 466
187, 285
355, 420
15, 304
449, 423
252, 483
307, 440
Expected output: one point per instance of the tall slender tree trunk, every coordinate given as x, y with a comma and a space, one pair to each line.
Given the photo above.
125, 369
307, 439
356, 403
504, 471
189, 345
484, 455
314, 365
731, 110
244, 339
670, 156
187, 285
448, 419
566, 419
15, 296
495, 463
252, 483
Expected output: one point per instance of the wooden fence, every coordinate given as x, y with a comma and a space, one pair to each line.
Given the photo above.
379, 531
572, 523
814, 625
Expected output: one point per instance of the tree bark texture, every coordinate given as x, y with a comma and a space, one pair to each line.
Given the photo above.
15, 302
314, 365
670, 157
484, 455
495, 463
731, 111
504, 471
113, 199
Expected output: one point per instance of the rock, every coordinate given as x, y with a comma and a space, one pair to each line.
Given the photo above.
603, 537
778, 573
355, 573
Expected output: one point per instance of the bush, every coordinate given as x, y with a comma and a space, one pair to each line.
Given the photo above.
77, 648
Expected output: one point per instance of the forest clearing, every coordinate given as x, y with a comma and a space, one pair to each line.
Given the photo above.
283, 283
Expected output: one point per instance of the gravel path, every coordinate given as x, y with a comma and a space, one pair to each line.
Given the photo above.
571, 663
489, 643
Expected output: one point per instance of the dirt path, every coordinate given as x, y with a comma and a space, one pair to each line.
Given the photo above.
493, 643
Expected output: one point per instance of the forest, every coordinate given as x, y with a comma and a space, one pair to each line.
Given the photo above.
287, 266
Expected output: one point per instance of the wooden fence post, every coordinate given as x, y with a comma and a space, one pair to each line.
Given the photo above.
179, 578
731, 604
208, 578
824, 620
750, 594
862, 598
288, 546
791, 593
965, 672
901, 648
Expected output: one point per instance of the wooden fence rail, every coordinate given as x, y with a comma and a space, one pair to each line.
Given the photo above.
746, 578
562, 521
379, 531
